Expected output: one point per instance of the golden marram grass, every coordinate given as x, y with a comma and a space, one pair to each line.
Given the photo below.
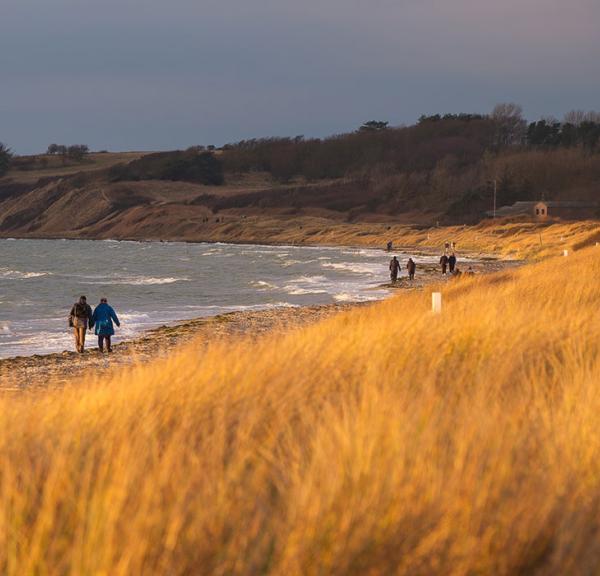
385, 440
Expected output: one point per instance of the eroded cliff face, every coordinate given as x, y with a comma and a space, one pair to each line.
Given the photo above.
89, 205
98, 209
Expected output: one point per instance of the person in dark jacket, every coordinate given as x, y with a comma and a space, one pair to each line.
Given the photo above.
102, 319
394, 269
444, 263
452, 262
80, 319
411, 267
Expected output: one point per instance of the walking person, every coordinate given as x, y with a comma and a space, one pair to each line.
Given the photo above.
102, 319
394, 269
452, 262
80, 319
444, 263
411, 267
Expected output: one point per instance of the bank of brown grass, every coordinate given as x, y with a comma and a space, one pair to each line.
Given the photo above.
506, 239
385, 440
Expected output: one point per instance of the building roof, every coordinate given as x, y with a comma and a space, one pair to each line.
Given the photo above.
526, 207
570, 204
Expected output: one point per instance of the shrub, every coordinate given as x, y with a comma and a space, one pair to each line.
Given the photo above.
188, 166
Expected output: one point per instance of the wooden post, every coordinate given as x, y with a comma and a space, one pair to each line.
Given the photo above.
436, 302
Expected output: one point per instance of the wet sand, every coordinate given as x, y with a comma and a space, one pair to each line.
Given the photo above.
42, 371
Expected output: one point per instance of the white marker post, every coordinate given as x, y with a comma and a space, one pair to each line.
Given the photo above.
565, 253
436, 302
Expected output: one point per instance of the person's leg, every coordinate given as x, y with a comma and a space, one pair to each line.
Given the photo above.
76, 335
108, 346
83, 330
80, 339
100, 342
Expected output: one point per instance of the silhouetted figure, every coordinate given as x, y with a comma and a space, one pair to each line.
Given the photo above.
102, 319
394, 269
80, 319
452, 262
444, 263
390, 244
411, 267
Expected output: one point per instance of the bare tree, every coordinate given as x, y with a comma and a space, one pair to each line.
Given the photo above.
5, 159
511, 127
578, 117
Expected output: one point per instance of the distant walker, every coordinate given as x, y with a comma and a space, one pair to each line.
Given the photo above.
411, 268
394, 269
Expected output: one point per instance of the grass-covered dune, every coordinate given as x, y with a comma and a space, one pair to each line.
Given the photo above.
385, 440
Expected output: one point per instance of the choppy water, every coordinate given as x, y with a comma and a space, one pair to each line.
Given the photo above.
153, 283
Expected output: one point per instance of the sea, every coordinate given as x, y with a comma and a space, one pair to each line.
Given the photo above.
156, 283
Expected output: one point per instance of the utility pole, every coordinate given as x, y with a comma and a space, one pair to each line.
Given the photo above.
495, 190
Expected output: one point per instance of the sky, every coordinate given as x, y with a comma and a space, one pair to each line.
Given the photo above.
156, 75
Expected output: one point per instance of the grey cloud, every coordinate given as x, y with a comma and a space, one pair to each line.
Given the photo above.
149, 74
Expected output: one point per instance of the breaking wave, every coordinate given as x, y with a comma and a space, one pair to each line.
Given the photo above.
18, 275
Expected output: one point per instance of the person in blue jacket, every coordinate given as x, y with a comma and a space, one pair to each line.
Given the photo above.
102, 319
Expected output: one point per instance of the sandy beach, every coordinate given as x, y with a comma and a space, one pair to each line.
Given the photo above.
40, 371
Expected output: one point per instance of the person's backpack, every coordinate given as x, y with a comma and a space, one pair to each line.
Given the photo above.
81, 310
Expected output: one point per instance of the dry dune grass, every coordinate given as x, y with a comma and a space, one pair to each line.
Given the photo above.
385, 440
521, 240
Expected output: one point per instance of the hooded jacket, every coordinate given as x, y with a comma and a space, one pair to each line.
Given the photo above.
103, 318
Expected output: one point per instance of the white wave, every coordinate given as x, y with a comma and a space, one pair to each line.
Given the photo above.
262, 285
358, 296
303, 291
309, 280
5, 328
133, 316
308, 285
139, 280
355, 268
18, 275
345, 297
369, 253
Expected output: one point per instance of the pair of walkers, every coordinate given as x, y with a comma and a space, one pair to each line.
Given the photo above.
448, 262
411, 268
83, 318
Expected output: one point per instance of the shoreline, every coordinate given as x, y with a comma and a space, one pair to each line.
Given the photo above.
19, 373
57, 368
403, 249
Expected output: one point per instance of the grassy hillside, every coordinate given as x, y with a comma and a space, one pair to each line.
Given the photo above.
442, 170
385, 440
29, 169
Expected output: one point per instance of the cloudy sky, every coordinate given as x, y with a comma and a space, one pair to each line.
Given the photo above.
157, 74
